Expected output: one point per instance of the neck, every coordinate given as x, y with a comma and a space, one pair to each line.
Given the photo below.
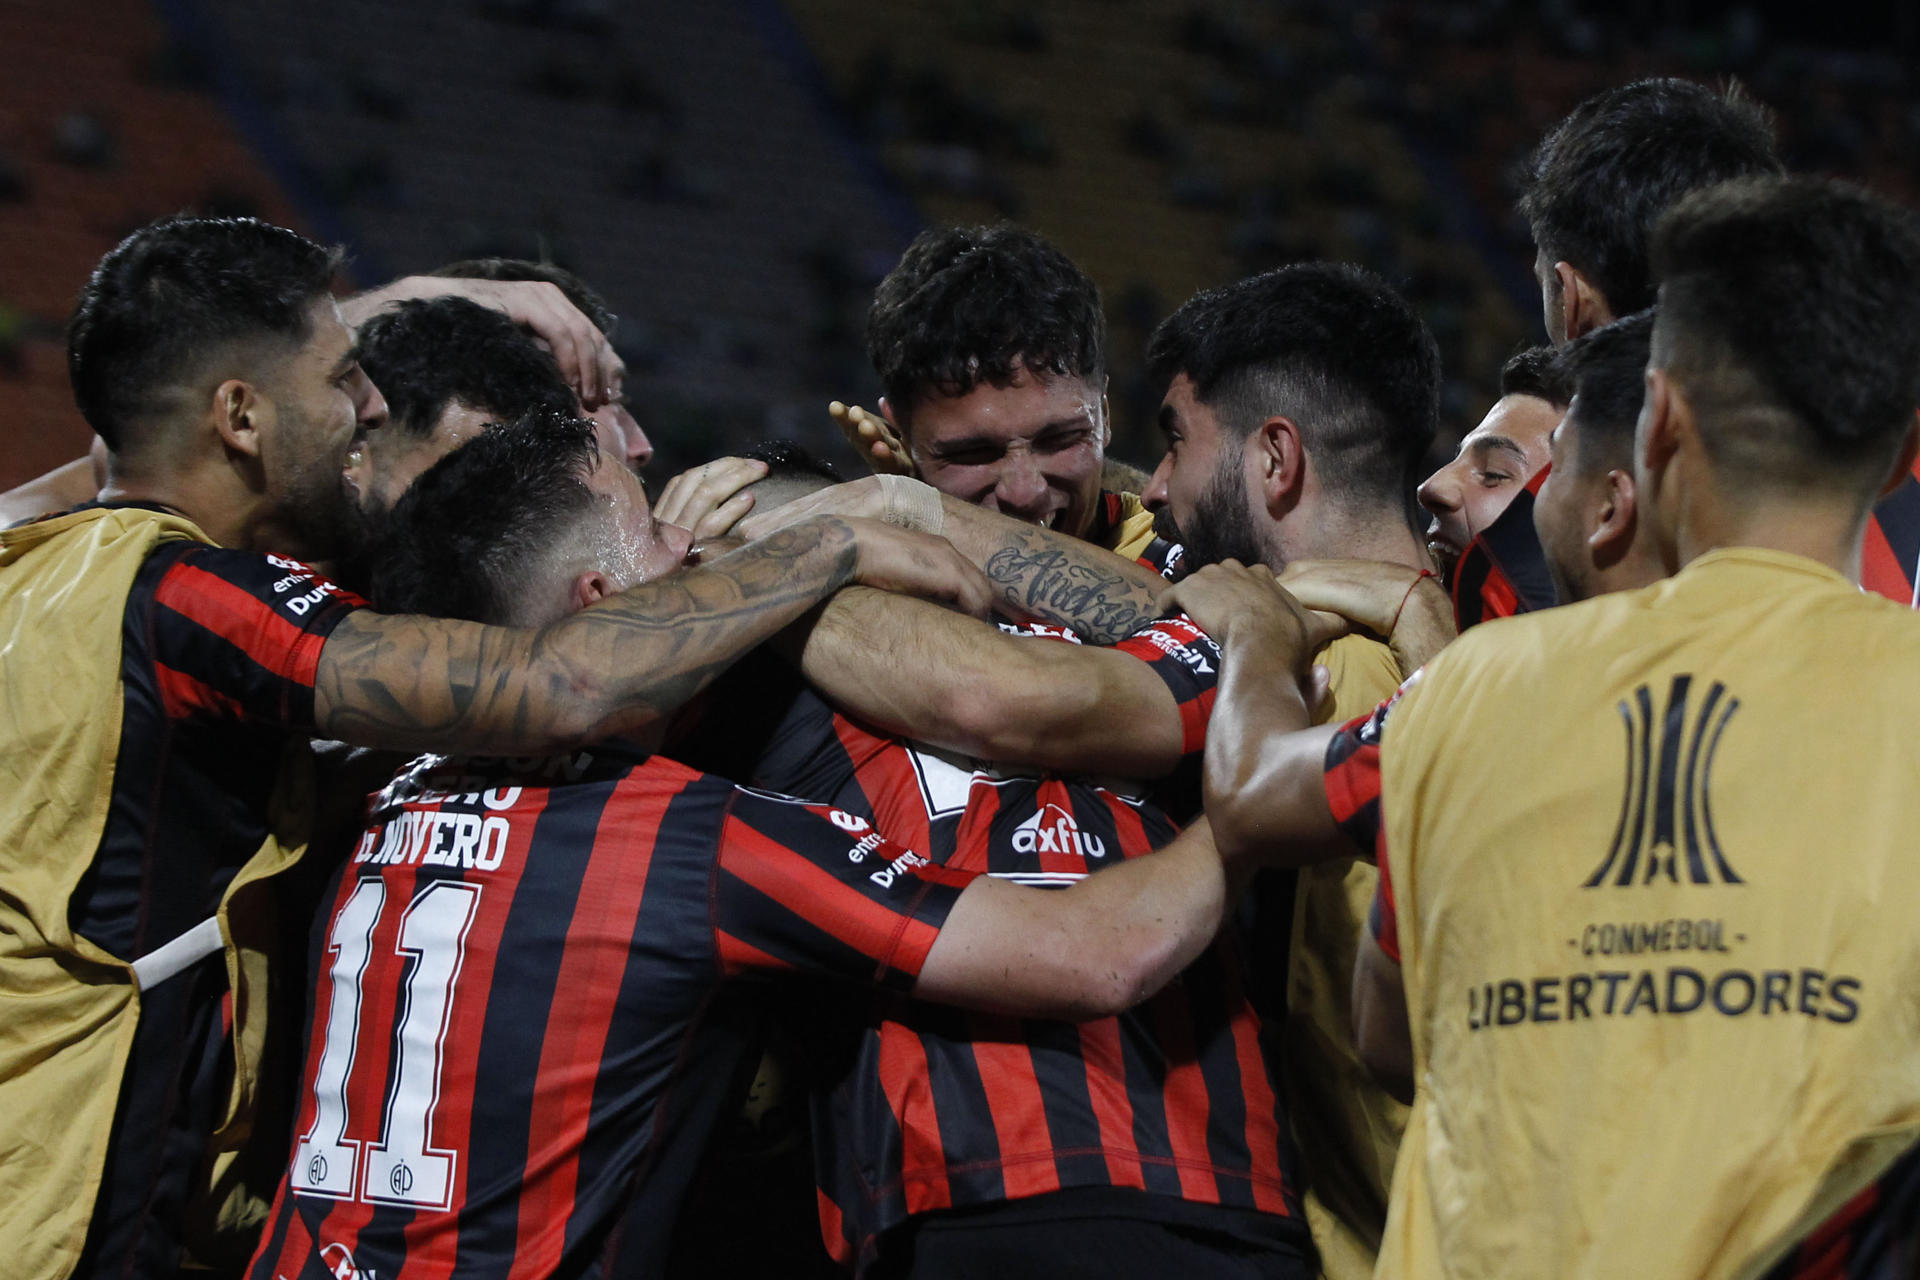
1332, 535
211, 495
1827, 532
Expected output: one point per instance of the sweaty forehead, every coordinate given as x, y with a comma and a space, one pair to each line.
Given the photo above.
1515, 421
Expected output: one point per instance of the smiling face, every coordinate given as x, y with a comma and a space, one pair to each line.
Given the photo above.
1202, 481
1032, 449
1495, 461
320, 399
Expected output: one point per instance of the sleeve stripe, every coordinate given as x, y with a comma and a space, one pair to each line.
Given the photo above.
1383, 918
182, 696
882, 933
738, 957
244, 621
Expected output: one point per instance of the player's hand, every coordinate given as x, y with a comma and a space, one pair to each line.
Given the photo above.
1241, 604
873, 438
584, 355
921, 564
708, 499
861, 499
1408, 609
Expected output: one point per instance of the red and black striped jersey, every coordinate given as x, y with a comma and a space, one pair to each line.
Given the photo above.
1352, 780
218, 654
1172, 1107
504, 1045
1503, 570
1874, 1236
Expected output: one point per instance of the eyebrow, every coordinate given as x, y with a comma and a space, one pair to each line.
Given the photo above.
1504, 443
967, 443
1169, 419
348, 358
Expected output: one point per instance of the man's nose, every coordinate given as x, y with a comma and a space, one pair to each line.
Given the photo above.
1022, 487
1439, 493
1156, 496
372, 408
639, 448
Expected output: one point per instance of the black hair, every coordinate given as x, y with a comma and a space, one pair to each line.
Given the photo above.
165, 300
1607, 370
965, 305
577, 291
1790, 316
469, 533
426, 353
1536, 372
1329, 345
1599, 180
789, 459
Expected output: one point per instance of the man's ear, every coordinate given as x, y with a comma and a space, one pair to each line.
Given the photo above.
1583, 308
1280, 463
1909, 450
1611, 533
1106, 421
591, 587
1657, 437
238, 412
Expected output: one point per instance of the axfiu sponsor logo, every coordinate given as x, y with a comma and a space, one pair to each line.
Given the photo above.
1053, 830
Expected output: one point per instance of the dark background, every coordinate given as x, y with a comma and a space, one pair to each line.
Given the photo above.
735, 175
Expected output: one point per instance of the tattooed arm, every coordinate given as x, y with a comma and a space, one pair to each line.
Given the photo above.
621, 666
910, 668
1041, 574
1036, 573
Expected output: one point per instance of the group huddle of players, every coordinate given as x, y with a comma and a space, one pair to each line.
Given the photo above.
1099, 873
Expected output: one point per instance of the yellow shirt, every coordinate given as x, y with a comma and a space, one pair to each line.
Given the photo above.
1654, 865
1346, 1127
68, 1007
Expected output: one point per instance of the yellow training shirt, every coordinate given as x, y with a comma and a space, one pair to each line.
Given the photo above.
1654, 866
1346, 1127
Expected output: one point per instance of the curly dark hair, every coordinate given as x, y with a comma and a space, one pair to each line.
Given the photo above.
1601, 177
1790, 315
965, 305
578, 291
473, 529
1607, 369
426, 353
168, 297
1329, 345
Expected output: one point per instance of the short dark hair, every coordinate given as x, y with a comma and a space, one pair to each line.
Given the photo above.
1607, 369
424, 354
168, 297
465, 538
1536, 372
964, 305
578, 291
1330, 345
1601, 177
793, 471
1790, 316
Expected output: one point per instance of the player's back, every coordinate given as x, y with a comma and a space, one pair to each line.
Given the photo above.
507, 1048
1652, 863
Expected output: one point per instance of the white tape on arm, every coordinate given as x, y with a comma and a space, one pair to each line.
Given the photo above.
913, 504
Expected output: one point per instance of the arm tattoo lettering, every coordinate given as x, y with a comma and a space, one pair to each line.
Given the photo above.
1071, 589
632, 660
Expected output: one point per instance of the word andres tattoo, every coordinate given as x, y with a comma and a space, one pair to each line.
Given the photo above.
1065, 589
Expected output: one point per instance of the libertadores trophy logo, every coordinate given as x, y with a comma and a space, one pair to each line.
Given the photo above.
1666, 815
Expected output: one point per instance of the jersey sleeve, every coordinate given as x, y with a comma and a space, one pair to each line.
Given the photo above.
1352, 780
1383, 920
817, 890
1187, 659
236, 636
